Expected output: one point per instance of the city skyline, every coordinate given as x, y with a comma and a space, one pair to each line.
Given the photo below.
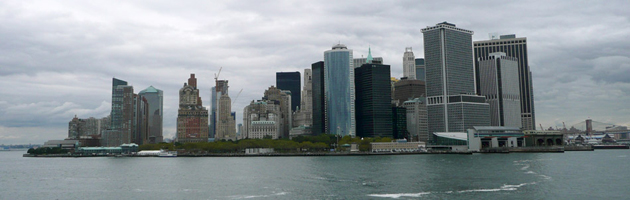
64, 66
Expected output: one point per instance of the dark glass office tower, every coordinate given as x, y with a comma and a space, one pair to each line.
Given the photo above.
290, 81
451, 101
399, 122
319, 108
512, 47
373, 100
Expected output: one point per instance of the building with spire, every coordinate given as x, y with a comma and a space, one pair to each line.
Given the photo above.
339, 94
409, 64
192, 117
358, 62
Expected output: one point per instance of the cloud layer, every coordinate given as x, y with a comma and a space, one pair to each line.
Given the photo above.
57, 58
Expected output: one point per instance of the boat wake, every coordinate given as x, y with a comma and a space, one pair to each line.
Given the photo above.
505, 187
257, 196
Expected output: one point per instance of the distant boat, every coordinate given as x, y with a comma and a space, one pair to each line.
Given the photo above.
165, 153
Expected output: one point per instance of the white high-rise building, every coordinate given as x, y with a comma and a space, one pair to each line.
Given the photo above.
409, 64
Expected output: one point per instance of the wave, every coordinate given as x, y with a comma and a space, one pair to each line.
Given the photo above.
396, 196
505, 187
257, 196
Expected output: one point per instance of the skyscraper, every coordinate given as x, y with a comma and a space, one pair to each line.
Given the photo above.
283, 99
221, 87
117, 103
420, 71
304, 116
373, 105
339, 89
122, 115
513, 47
290, 81
409, 64
192, 117
498, 78
407, 89
319, 107
226, 125
154, 98
451, 101
213, 112
417, 119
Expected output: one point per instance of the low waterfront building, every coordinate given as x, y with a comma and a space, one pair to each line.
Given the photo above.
122, 149
64, 144
258, 150
450, 141
498, 136
544, 138
396, 146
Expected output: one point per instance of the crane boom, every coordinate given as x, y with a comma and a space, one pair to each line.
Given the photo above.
239, 94
216, 76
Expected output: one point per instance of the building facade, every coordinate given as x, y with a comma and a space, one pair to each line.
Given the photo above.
409, 64
262, 119
226, 125
339, 90
451, 101
420, 70
282, 98
192, 117
407, 89
498, 78
290, 81
417, 122
319, 106
155, 118
373, 107
513, 47
122, 114
399, 122
304, 115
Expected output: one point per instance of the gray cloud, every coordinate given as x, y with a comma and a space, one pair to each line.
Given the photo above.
57, 58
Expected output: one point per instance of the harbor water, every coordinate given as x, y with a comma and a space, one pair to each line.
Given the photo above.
601, 174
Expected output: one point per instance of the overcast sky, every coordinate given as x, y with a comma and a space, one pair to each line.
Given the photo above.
57, 59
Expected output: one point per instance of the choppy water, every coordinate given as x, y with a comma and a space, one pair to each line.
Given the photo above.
601, 174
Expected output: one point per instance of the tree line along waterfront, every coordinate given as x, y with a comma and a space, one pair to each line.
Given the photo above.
320, 143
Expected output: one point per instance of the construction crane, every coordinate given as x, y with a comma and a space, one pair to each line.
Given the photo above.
541, 128
239, 94
216, 76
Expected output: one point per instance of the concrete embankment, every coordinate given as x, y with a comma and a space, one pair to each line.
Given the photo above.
253, 155
579, 148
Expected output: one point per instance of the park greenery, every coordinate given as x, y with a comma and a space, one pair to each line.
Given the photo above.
320, 143
46, 150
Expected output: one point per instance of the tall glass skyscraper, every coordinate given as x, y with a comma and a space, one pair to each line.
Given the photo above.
513, 47
117, 104
154, 98
290, 81
319, 107
450, 80
339, 90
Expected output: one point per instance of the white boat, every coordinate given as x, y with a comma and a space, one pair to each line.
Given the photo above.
164, 153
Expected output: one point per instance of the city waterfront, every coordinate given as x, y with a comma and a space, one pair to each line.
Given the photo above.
597, 174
